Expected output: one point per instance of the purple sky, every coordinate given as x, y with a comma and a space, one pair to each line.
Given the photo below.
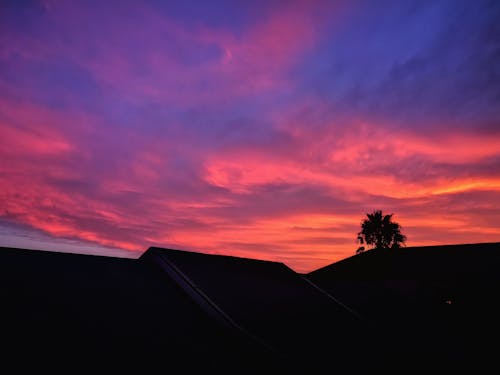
263, 129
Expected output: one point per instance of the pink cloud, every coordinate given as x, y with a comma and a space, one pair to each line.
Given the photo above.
287, 180
125, 56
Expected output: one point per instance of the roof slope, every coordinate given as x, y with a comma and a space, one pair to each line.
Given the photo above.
82, 310
270, 302
440, 301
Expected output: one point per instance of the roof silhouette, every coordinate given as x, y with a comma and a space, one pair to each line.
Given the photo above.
61, 309
438, 302
192, 312
269, 302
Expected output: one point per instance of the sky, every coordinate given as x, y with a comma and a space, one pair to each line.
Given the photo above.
262, 129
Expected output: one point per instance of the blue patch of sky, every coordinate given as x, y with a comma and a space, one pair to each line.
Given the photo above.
54, 84
409, 60
236, 16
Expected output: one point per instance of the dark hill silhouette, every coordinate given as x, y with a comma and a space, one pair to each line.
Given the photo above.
438, 303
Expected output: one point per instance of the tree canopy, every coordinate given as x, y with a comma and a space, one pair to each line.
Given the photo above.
380, 232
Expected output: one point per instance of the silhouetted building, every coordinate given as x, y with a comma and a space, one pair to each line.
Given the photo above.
67, 312
431, 308
270, 303
186, 311
438, 303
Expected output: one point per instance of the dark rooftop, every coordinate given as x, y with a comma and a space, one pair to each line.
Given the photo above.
410, 309
438, 301
273, 303
61, 309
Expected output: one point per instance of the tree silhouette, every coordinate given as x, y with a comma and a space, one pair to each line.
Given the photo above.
381, 232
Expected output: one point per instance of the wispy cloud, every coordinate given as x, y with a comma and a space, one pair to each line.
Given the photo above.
256, 129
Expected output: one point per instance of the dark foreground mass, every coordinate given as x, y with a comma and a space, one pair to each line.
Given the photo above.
419, 309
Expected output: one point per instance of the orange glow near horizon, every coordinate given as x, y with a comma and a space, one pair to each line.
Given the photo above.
281, 225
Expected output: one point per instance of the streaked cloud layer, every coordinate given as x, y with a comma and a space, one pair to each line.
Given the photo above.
256, 129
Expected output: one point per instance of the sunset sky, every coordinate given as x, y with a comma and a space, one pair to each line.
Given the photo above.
263, 129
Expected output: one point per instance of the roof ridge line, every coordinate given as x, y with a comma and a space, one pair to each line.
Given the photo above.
340, 303
204, 301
